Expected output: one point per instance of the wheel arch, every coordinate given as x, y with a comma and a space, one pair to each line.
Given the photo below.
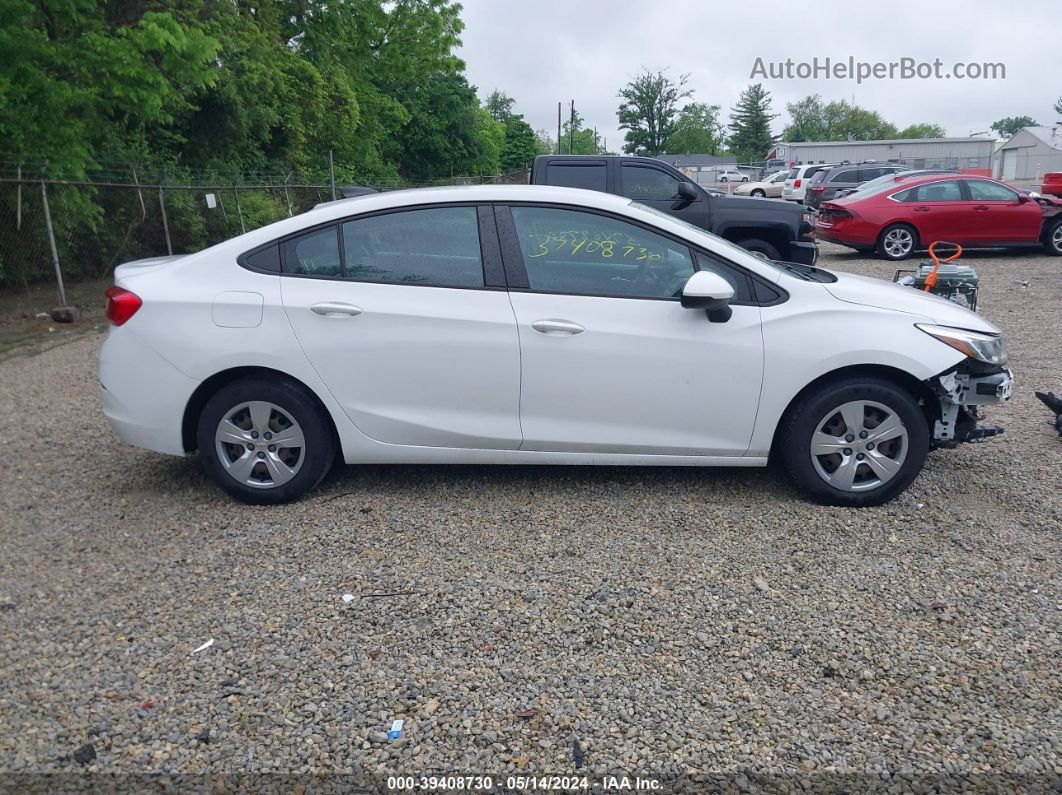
194, 408
919, 390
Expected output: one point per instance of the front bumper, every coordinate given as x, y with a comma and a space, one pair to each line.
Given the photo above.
961, 395
804, 252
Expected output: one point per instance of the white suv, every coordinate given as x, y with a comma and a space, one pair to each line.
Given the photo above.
730, 175
796, 184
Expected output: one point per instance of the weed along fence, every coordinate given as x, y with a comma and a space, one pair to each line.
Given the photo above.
62, 229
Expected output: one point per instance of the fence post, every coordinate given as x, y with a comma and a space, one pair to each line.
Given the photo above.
18, 222
51, 241
332, 174
239, 210
286, 196
165, 222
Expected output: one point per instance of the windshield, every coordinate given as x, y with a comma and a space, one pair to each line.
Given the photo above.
807, 273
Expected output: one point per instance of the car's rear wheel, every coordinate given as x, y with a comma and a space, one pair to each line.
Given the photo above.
757, 192
856, 441
265, 440
897, 241
723, 179
1053, 239
757, 246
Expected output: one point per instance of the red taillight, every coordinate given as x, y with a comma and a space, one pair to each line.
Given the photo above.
121, 304
796, 183
817, 190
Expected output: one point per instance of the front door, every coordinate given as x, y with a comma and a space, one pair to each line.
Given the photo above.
1001, 217
394, 314
941, 212
658, 189
611, 362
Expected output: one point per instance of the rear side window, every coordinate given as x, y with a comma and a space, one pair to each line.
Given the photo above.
645, 183
947, 191
867, 174
590, 176
315, 253
793, 173
437, 247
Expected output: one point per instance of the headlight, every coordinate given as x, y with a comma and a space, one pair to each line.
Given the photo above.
988, 348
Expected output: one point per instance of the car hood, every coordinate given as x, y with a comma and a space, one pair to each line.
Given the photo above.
881, 294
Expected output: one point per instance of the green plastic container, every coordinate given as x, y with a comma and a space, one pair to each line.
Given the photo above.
955, 282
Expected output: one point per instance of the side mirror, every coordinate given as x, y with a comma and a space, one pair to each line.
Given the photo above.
711, 292
1022, 198
686, 194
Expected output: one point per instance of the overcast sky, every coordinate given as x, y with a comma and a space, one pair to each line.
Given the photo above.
545, 51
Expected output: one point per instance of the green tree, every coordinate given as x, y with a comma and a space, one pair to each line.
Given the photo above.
697, 131
1009, 125
922, 131
520, 145
648, 111
544, 144
1058, 106
582, 140
499, 105
750, 124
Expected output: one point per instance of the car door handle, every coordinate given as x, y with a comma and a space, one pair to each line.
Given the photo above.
557, 327
336, 309
981, 207
921, 209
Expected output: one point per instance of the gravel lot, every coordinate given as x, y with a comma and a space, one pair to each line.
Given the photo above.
688, 624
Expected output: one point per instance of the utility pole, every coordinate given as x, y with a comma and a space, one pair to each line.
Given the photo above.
571, 131
558, 127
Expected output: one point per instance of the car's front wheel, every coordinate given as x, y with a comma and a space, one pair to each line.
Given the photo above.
856, 441
265, 440
1053, 239
757, 192
723, 179
897, 242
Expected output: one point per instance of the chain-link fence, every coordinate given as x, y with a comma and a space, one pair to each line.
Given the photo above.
61, 229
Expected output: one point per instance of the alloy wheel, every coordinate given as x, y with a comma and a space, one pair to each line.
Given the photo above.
260, 445
1056, 237
898, 242
859, 446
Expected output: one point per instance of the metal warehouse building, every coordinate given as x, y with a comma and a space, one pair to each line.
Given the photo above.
957, 153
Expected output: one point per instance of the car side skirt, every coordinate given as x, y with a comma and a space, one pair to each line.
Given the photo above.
399, 454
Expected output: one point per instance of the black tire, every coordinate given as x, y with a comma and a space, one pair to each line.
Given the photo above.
760, 193
290, 402
1053, 238
723, 179
801, 422
894, 255
744, 179
758, 246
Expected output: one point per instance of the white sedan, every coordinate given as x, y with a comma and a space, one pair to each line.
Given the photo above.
532, 325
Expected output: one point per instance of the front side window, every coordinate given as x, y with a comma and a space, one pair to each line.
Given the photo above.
581, 253
438, 247
644, 183
983, 191
315, 253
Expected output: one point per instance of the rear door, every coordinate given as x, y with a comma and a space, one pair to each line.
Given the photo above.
405, 317
582, 173
1000, 216
940, 211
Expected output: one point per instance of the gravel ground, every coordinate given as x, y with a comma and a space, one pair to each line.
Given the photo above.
694, 625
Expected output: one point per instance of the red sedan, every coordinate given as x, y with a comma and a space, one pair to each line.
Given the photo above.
906, 215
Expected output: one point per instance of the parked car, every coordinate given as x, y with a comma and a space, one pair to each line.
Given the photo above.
770, 187
976, 212
730, 175
532, 325
773, 229
892, 179
825, 184
796, 184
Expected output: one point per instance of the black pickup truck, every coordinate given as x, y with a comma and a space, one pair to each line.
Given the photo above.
779, 230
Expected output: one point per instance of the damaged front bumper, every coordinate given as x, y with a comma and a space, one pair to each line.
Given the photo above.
961, 392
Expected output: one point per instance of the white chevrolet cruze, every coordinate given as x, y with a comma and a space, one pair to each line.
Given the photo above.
533, 325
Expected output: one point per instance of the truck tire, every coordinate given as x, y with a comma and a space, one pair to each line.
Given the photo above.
757, 246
